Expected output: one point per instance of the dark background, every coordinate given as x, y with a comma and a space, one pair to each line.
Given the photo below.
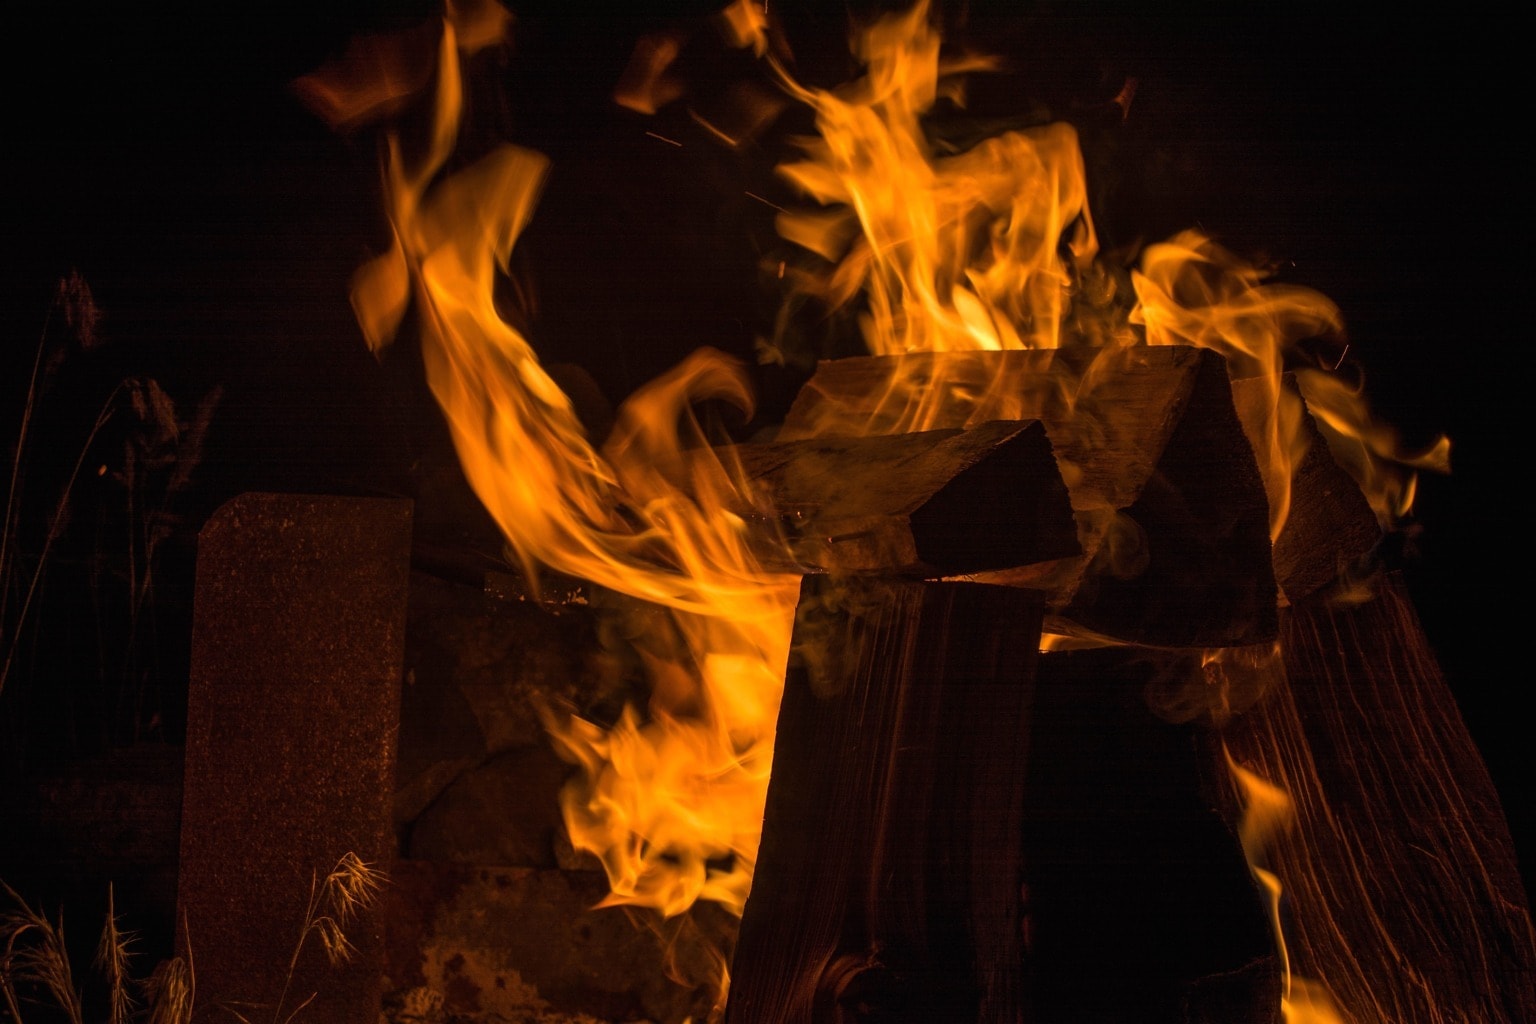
157, 150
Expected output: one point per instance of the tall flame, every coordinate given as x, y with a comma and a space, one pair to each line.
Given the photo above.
941, 250
671, 797
995, 248
1268, 811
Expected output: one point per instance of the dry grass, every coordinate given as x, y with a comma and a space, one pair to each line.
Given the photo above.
34, 959
113, 952
170, 992
35, 967
351, 888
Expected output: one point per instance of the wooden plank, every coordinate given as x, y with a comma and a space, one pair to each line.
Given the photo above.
931, 503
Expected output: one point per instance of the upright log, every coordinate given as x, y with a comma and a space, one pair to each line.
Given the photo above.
887, 887
1398, 872
292, 715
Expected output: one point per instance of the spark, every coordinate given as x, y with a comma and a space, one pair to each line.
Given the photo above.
776, 206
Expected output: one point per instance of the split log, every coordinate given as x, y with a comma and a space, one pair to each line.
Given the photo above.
887, 881
1170, 508
931, 503
1399, 874
1329, 527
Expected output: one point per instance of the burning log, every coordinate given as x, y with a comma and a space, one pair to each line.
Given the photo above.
1170, 506
929, 503
1329, 525
887, 882
1398, 868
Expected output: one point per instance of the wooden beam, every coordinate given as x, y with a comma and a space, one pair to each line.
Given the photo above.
926, 504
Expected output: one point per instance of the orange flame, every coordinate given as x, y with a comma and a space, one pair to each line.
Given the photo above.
995, 248
944, 251
671, 798
1267, 812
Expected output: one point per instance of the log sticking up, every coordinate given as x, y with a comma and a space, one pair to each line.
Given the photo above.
887, 882
1329, 527
1169, 505
1399, 871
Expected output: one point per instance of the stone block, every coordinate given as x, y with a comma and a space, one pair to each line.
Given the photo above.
292, 722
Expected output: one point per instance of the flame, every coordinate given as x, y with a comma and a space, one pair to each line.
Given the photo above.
939, 250
994, 248
1267, 812
1190, 291
670, 797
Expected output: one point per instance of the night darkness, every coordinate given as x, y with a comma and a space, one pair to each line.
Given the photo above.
158, 151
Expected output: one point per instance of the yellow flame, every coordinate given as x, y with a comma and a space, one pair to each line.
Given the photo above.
671, 797
945, 251
1268, 812
995, 248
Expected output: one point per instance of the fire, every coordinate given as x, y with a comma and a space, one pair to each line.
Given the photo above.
1269, 810
939, 250
670, 798
994, 248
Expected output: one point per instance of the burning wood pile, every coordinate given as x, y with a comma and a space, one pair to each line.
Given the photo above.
1061, 617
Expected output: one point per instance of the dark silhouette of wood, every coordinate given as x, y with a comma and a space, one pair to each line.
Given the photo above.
1170, 508
1400, 878
1141, 906
887, 887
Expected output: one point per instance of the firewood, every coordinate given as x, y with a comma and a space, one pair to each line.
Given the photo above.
1329, 526
1398, 872
887, 883
1170, 508
931, 503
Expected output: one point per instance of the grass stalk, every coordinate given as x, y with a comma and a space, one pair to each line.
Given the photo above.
33, 952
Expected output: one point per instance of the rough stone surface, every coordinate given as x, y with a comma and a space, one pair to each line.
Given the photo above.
483, 945
481, 665
505, 811
297, 650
